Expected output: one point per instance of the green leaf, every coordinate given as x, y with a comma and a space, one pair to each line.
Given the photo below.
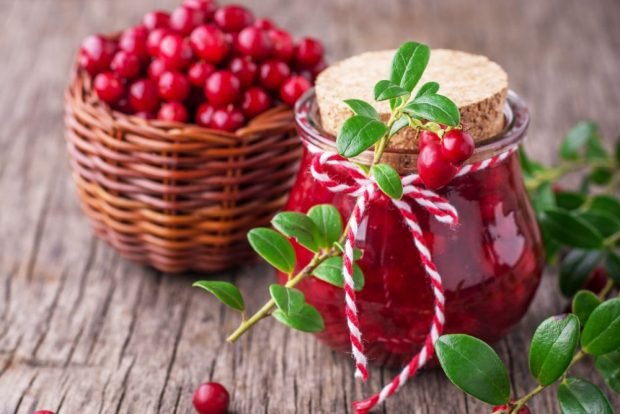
474, 367
595, 149
329, 223
605, 204
576, 139
601, 334
601, 175
612, 264
605, 223
399, 124
436, 108
429, 88
617, 151
298, 226
409, 64
552, 348
274, 248
543, 198
570, 230
362, 108
609, 367
386, 89
357, 134
569, 200
330, 271
575, 269
584, 303
577, 396
226, 292
529, 166
288, 300
388, 180
306, 319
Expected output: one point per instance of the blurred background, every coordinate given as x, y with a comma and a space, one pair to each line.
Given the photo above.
67, 301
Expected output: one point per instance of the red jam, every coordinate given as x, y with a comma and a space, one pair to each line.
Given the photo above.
490, 263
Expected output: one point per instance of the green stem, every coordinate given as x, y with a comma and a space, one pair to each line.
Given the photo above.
522, 401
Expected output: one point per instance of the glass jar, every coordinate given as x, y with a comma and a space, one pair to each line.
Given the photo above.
491, 263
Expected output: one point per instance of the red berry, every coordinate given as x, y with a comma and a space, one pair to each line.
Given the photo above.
172, 111
96, 53
227, 119
173, 86
457, 146
434, 169
208, 7
273, 74
505, 409
233, 18
244, 69
264, 24
222, 88
426, 137
109, 87
211, 398
175, 51
255, 101
596, 281
185, 19
154, 40
199, 72
204, 113
254, 42
209, 43
156, 19
292, 89
156, 68
283, 46
126, 64
133, 40
309, 52
143, 95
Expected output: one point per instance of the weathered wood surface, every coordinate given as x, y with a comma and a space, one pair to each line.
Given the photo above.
83, 331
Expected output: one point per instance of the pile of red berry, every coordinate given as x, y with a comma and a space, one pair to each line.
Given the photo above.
439, 159
217, 67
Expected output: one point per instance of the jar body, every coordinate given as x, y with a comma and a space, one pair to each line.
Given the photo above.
490, 263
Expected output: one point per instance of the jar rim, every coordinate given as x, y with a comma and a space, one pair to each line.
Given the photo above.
516, 121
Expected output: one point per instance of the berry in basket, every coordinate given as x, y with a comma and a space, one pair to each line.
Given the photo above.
218, 67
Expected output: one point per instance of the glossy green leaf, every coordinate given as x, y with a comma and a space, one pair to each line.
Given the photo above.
601, 334
399, 124
577, 396
605, 204
298, 226
605, 223
330, 271
601, 175
385, 90
569, 230
306, 319
388, 180
543, 198
409, 64
575, 269
274, 248
226, 292
595, 149
362, 108
429, 88
288, 300
552, 348
609, 367
436, 108
357, 134
474, 367
569, 200
329, 223
612, 264
576, 139
584, 303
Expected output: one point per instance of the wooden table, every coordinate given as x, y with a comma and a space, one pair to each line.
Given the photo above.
84, 331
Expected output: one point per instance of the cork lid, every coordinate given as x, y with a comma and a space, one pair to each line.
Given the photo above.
477, 85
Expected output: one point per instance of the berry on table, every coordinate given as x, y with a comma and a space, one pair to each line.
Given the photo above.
254, 42
172, 111
457, 146
227, 119
185, 19
204, 113
292, 89
126, 64
309, 52
273, 73
108, 87
175, 51
209, 43
143, 95
199, 72
133, 40
255, 101
233, 18
173, 86
244, 69
434, 169
282, 45
154, 40
222, 88
211, 398
96, 53
156, 19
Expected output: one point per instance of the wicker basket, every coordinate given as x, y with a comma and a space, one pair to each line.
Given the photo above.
177, 196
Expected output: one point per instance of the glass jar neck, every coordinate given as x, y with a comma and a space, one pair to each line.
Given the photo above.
308, 121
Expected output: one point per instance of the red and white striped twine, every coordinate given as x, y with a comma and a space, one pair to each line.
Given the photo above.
367, 191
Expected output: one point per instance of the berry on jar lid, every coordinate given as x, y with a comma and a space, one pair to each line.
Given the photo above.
434, 169
457, 146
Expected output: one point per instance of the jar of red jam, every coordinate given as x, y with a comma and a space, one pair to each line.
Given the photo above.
491, 263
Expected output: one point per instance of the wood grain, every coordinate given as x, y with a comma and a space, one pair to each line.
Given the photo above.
83, 331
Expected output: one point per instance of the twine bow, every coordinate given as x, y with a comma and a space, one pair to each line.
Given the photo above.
366, 190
